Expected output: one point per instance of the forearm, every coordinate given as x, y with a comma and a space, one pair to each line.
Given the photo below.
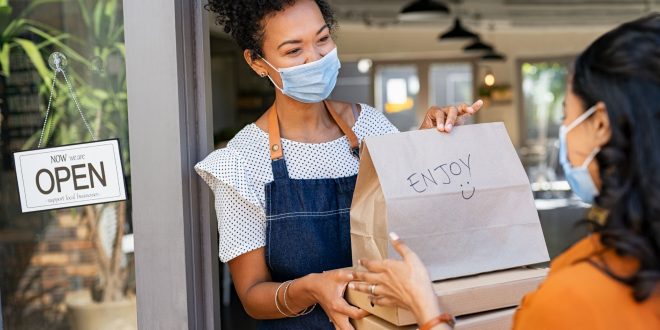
259, 300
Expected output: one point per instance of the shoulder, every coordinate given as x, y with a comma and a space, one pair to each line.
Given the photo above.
345, 111
578, 296
372, 122
230, 165
562, 301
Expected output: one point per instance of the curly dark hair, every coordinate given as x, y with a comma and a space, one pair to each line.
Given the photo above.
244, 19
622, 69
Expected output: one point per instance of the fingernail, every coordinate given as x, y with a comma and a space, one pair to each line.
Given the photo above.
359, 262
351, 276
351, 286
394, 236
449, 126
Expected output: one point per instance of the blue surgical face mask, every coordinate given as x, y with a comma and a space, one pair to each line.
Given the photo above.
310, 82
578, 177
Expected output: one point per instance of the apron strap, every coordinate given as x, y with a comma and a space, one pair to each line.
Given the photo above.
352, 138
275, 141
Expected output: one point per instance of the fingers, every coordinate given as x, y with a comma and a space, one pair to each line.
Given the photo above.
367, 277
346, 275
428, 122
374, 266
342, 275
342, 323
452, 113
465, 111
382, 297
476, 106
440, 119
446, 118
363, 287
384, 301
400, 247
351, 311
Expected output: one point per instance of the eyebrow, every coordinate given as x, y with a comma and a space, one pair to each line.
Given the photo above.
297, 41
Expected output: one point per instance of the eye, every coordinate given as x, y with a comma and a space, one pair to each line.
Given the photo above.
293, 51
324, 39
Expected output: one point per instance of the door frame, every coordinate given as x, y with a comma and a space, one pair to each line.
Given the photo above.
170, 129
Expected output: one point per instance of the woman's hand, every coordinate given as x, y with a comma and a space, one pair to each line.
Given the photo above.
403, 283
445, 118
329, 290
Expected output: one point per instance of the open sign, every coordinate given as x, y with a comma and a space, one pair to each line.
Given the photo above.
69, 176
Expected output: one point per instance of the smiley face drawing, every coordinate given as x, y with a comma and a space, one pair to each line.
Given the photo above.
467, 194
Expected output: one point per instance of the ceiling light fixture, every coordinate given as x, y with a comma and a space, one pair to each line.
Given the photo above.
493, 56
458, 32
423, 10
478, 46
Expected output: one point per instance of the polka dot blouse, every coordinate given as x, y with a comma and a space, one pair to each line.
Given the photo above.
238, 174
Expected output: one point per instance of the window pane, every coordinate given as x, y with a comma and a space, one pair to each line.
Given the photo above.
54, 263
543, 87
451, 84
397, 88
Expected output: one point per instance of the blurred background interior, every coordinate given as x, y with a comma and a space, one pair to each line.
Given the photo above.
401, 56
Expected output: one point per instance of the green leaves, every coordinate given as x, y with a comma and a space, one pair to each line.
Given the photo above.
4, 59
32, 51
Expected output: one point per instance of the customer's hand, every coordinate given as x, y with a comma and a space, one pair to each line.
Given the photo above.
403, 283
445, 118
329, 292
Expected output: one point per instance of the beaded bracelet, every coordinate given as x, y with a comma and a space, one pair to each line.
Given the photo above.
442, 318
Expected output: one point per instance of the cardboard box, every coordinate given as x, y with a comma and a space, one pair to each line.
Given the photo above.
465, 295
495, 320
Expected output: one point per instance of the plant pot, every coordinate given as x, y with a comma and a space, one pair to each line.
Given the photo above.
85, 314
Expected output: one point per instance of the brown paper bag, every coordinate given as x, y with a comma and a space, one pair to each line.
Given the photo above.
461, 201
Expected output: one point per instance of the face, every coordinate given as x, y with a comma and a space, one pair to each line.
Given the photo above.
294, 36
592, 133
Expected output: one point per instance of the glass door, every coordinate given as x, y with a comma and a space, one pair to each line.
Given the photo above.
68, 268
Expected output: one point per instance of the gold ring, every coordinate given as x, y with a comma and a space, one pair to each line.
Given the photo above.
372, 289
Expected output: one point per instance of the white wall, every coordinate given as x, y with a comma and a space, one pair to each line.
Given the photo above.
410, 43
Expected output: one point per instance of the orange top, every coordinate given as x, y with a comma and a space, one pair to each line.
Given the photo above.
578, 295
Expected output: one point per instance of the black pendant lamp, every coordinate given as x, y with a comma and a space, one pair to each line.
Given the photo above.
458, 32
423, 9
493, 56
479, 46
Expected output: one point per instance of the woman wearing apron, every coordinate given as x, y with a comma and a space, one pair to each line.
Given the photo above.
283, 185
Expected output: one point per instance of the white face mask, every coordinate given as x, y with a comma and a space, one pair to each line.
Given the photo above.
310, 82
578, 178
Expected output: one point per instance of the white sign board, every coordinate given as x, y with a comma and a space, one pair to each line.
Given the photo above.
69, 176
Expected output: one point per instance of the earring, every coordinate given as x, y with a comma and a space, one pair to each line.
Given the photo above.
262, 74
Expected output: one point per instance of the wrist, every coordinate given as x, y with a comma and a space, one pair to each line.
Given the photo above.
308, 285
426, 308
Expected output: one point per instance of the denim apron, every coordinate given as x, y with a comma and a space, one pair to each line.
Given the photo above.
308, 228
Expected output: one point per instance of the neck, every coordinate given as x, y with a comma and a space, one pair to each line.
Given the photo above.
301, 121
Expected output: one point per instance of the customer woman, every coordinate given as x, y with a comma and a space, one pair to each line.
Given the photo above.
610, 148
284, 185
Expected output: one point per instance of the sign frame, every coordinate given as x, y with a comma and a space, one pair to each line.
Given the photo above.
122, 185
